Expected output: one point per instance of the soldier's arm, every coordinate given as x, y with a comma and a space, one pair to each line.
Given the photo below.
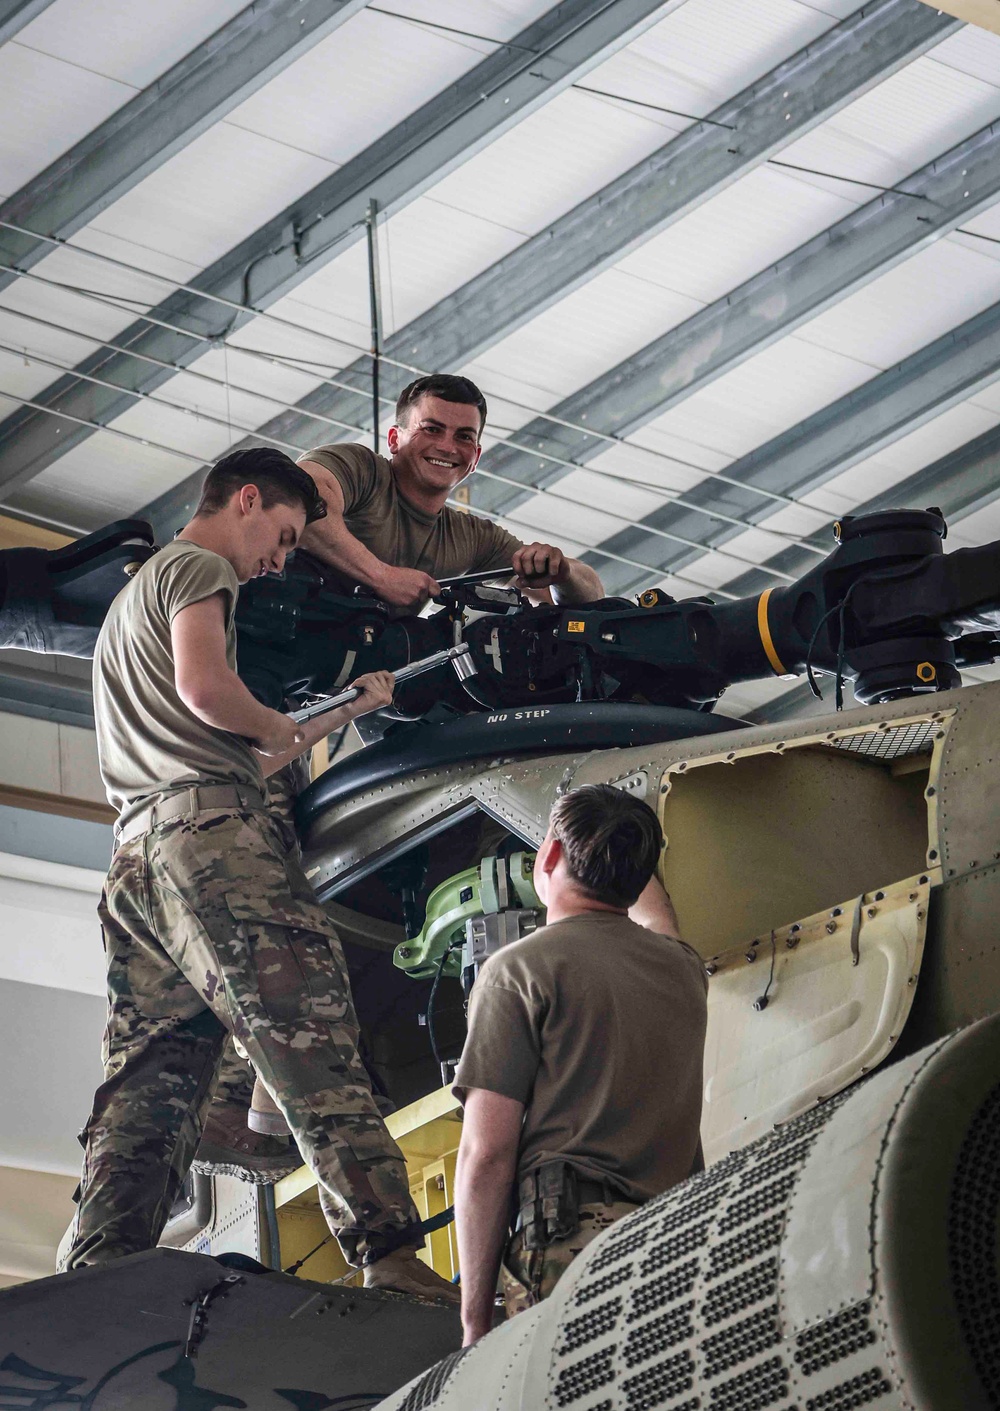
212, 691
376, 691
484, 1176
655, 910
330, 540
541, 567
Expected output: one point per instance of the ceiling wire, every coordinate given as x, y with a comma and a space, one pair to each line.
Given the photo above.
671, 496
110, 301
145, 441
228, 423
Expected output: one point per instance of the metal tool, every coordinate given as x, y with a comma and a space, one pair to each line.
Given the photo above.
485, 577
458, 655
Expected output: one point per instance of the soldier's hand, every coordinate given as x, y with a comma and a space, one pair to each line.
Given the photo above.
407, 588
282, 733
539, 566
376, 691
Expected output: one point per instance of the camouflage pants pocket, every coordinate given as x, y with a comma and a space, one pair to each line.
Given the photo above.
299, 966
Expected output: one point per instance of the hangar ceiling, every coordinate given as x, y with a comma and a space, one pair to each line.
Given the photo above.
725, 270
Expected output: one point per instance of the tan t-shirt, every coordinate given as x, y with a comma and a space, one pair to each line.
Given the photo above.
598, 1026
148, 741
443, 544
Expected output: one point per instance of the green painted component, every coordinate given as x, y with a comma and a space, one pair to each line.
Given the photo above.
522, 873
455, 901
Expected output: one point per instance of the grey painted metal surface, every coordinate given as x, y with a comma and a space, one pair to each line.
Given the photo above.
141, 135
794, 97
865, 244
51, 838
52, 1040
877, 413
123, 1336
15, 14
25, 690
544, 58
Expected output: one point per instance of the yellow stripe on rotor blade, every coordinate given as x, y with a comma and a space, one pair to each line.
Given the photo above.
765, 635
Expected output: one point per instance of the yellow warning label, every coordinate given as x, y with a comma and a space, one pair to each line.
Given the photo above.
576, 627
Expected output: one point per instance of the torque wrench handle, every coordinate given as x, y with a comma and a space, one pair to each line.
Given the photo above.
458, 655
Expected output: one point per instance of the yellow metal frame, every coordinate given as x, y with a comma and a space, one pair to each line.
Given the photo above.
428, 1133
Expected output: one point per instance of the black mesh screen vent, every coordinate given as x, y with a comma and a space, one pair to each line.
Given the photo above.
616, 1248
658, 1384
972, 1239
432, 1383
835, 1338
593, 1324
746, 1245
764, 1385
789, 1155
757, 1202
583, 1377
663, 1290
743, 1289
674, 1248
743, 1340
659, 1334
858, 1391
587, 1292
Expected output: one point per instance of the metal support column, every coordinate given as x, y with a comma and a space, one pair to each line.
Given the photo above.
375, 306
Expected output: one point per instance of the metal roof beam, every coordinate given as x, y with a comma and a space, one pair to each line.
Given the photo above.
15, 14
150, 128
520, 76
959, 484
801, 92
45, 695
949, 370
864, 245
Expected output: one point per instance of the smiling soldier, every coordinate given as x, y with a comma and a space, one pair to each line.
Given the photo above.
390, 529
389, 526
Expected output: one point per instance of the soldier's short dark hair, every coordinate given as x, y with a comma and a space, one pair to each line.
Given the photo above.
277, 477
611, 842
446, 386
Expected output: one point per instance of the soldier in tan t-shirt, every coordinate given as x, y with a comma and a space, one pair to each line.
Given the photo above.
210, 925
582, 1072
389, 526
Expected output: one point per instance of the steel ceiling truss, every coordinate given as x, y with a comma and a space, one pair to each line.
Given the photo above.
543, 59
949, 370
799, 93
864, 245
150, 128
15, 14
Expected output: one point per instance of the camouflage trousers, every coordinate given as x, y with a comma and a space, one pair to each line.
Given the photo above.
211, 928
529, 1275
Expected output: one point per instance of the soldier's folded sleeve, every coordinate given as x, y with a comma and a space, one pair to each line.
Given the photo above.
502, 1050
355, 467
192, 577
